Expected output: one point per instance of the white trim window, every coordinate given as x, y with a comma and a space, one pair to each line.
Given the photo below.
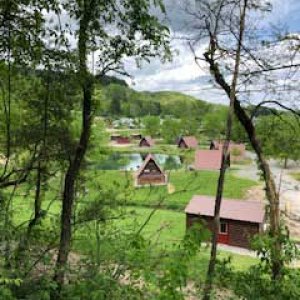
223, 228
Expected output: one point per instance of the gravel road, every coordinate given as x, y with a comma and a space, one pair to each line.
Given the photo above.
289, 187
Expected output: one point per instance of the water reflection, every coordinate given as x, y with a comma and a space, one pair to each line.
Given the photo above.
131, 162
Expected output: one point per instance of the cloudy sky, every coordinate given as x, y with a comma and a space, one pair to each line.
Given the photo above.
182, 74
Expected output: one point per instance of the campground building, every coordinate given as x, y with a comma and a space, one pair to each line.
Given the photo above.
146, 141
209, 160
187, 142
239, 220
150, 173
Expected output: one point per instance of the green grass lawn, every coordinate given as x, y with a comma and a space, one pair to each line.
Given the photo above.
166, 227
165, 230
120, 185
184, 184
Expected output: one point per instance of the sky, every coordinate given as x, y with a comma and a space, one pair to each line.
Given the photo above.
182, 74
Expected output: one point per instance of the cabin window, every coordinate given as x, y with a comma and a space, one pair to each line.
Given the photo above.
223, 228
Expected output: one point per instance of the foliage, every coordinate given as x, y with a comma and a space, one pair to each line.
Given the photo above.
140, 104
170, 130
117, 94
214, 123
152, 125
257, 281
280, 136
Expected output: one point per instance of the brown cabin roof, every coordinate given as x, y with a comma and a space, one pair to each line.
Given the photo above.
208, 160
148, 139
149, 158
190, 141
249, 211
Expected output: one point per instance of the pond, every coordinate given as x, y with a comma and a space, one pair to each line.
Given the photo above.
131, 162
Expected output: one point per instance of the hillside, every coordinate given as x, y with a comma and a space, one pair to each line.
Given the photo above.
120, 100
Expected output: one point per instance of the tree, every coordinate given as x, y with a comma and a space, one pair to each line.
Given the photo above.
241, 12
221, 22
189, 126
21, 46
152, 125
46, 123
22, 32
280, 136
214, 122
170, 130
117, 95
138, 34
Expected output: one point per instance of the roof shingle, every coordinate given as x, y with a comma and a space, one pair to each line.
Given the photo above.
208, 160
249, 211
190, 141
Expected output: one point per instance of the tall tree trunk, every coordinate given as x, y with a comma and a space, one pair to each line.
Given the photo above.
75, 164
271, 191
286, 162
263, 165
225, 154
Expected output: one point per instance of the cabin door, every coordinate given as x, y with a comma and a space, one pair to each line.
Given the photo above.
223, 236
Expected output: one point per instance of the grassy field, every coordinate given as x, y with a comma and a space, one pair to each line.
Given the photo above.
118, 188
184, 185
165, 229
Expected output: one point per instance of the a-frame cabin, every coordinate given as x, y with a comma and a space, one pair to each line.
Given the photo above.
150, 173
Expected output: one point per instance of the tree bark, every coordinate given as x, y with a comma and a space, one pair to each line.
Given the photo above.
263, 165
225, 152
286, 162
75, 163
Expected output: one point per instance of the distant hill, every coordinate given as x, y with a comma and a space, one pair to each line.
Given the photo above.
121, 100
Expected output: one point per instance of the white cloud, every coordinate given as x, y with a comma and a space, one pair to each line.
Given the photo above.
183, 74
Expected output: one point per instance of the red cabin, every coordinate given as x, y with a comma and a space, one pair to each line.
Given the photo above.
239, 220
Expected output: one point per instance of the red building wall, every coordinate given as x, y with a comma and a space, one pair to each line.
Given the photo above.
239, 232
151, 179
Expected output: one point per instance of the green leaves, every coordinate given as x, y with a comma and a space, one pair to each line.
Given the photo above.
280, 135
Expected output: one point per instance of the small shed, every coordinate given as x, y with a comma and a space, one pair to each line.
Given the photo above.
237, 150
239, 220
187, 142
208, 160
146, 141
150, 173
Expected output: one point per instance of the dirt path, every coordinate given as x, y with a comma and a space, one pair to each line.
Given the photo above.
288, 186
